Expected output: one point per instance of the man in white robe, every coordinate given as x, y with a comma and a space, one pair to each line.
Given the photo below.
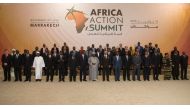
38, 64
93, 62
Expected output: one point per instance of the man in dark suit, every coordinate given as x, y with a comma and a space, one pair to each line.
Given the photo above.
27, 61
117, 63
175, 50
126, 65
73, 65
112, 51
49, 67
175, 62
43, 50
17, 63
65, 50
35, 52
139, 48
6, 64
121, 50
184, 65
93, 49
65, 47
106, 64
83, 63
45, 57
146, 65
156, 58
99, 55
54, 49
61, 64
55, 56
151, 50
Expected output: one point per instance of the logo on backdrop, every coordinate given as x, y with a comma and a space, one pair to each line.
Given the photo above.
99, 21
78, 17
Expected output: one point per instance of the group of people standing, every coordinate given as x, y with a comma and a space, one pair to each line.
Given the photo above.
95, 61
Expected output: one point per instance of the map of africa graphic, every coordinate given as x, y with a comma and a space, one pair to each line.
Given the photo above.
78, 17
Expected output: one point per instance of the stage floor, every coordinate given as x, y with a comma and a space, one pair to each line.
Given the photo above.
99, 92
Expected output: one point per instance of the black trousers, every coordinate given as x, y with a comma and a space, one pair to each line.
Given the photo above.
55, 69
7, 73
82, 73
66, 69
146, 73
49, 74
73, 74
27, 72
62, 73
100, 70
17, 73
155, 73
126, 71
175, 72
183, 72
106, 73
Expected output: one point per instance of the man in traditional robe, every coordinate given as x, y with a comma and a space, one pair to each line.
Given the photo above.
93, 67
38, 64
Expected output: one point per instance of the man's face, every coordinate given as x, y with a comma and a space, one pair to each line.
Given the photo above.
120, 45
38, 54
36, 48
6, 51
17, 52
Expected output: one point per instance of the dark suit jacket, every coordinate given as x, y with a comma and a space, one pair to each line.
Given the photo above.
73, 60
121, 51
156, 60
176, 60
184, 61
55, 60
41, 51
127, 62
61, 61
106, 61
6, 59
27, 61
146, 61
17, 61
100, 57
83, 62
57, 50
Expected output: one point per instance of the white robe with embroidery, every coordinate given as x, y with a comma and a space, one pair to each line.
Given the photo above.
93, 67
38, 64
